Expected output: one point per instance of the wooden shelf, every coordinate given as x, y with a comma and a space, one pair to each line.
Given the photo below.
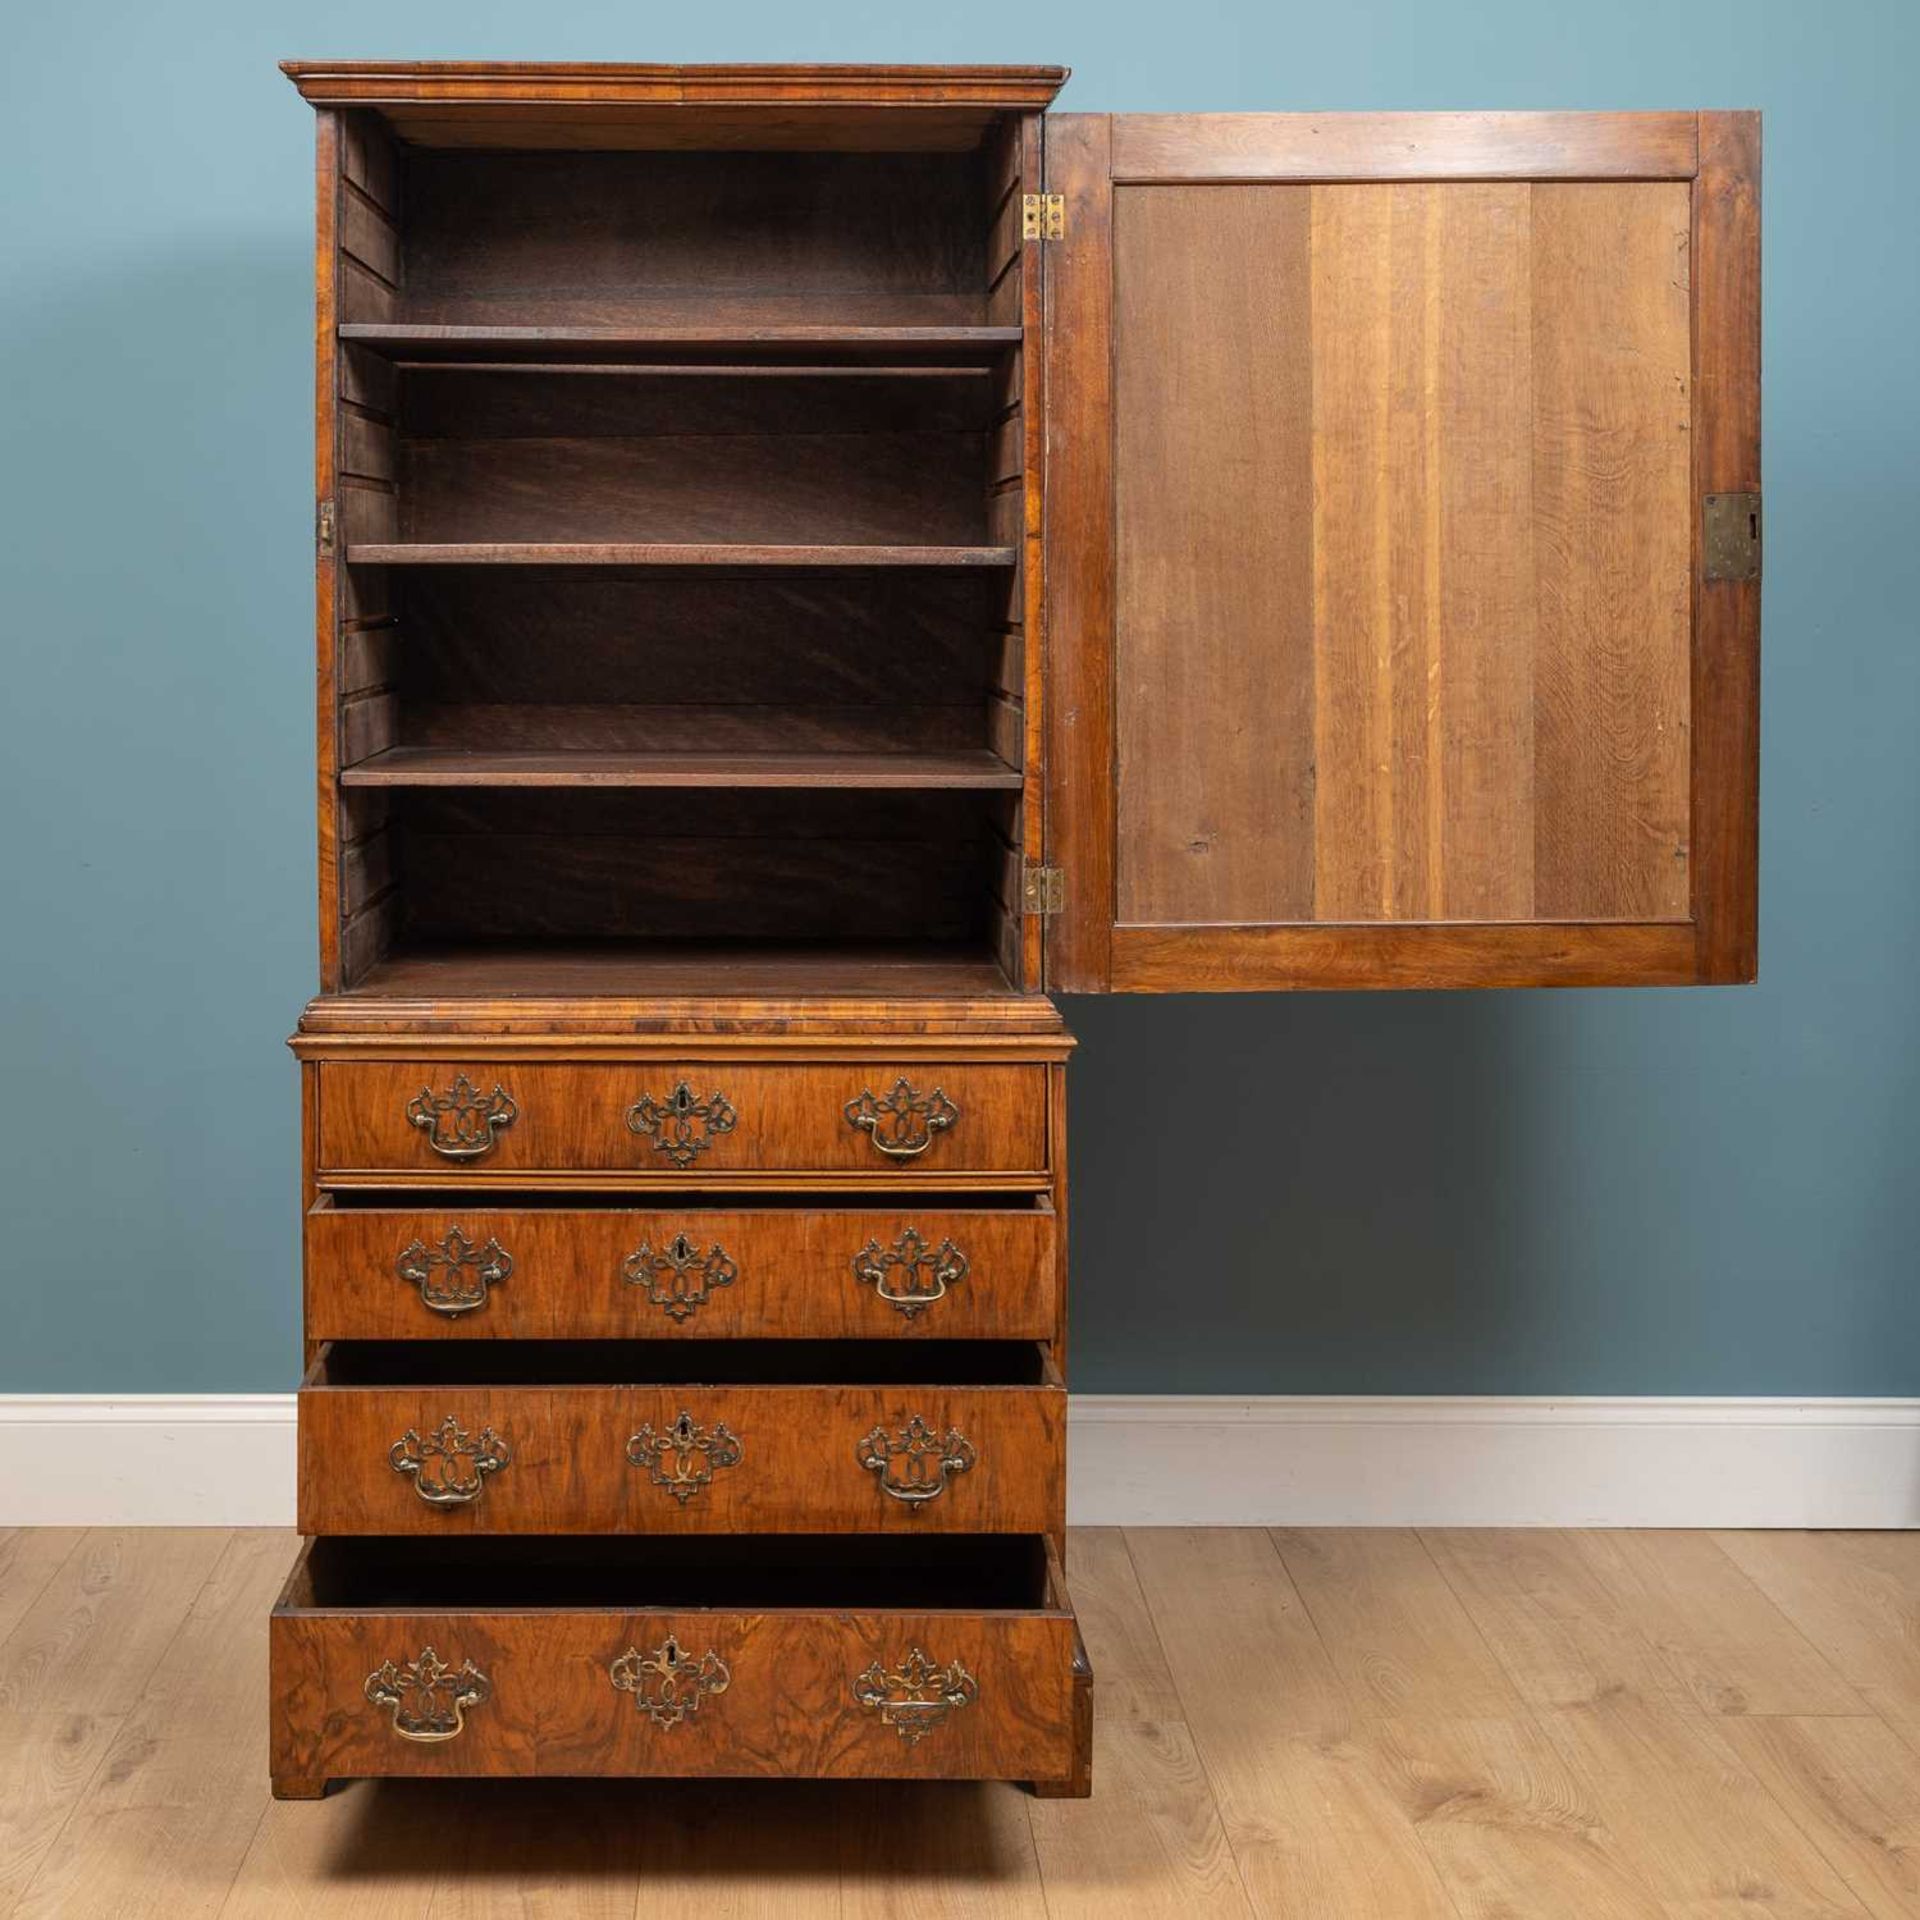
649, 971
967, 769
402, 340
521, 553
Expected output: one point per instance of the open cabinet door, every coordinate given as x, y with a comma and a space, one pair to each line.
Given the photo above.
1403, 549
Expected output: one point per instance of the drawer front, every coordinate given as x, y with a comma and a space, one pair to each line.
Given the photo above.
397, 1273
700, 1691
683, 1459
687, 1123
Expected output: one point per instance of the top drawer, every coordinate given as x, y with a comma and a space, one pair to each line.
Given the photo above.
693, 1123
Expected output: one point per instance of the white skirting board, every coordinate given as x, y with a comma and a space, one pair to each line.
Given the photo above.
227, 1460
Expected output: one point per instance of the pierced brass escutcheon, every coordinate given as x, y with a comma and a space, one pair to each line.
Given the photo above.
428, 1698
460, 1124
910, 1275
679, 1278
915, 1464
454, 1275
680, 1126
902, 1123
449, 1466
668, 1684
685, 1458
916, 1697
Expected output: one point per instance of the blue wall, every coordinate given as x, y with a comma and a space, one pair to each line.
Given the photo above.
1582, 1192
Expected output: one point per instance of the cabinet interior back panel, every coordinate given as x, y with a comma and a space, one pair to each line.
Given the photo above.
1402, 548
610, 239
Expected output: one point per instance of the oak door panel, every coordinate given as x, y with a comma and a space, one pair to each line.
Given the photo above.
545, 1273
1611, 358
1386, 666
1214, 670
1407, 463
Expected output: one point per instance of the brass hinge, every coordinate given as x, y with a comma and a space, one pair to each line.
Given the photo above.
323, 523
1730, 536
1042, 890
1043, 216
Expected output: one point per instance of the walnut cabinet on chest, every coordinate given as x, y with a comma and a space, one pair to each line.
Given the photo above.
809, 560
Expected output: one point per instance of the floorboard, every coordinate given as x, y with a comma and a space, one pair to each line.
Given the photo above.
1856, 1596
1727, 1643
1389, 1725
1546, 1606
29, 1559
165, 1820
75, 1668
1854, 1786
1150, 1840
1313, 1829
1403, 1645
1706, 1835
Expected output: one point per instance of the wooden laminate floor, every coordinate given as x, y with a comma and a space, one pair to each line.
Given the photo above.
1459, 1725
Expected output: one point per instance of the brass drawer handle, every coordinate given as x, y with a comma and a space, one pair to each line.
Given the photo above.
460, 1124
679, 1278
680, 1126
454, 1275
910, 1275
428, 1698
902, 1123
668, 1684
685, 1458
915, 1464
916, 1697
449, 1466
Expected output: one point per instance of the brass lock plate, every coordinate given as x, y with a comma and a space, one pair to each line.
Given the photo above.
1730, 537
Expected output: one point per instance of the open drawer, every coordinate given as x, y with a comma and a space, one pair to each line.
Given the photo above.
439, 1267
759, 1436
948, 1658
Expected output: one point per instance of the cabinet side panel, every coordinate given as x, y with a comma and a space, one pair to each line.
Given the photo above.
328, 569
358, 403
1033, 602
1014, 475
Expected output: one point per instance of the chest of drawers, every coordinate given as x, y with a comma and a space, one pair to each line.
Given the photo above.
765, 1377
